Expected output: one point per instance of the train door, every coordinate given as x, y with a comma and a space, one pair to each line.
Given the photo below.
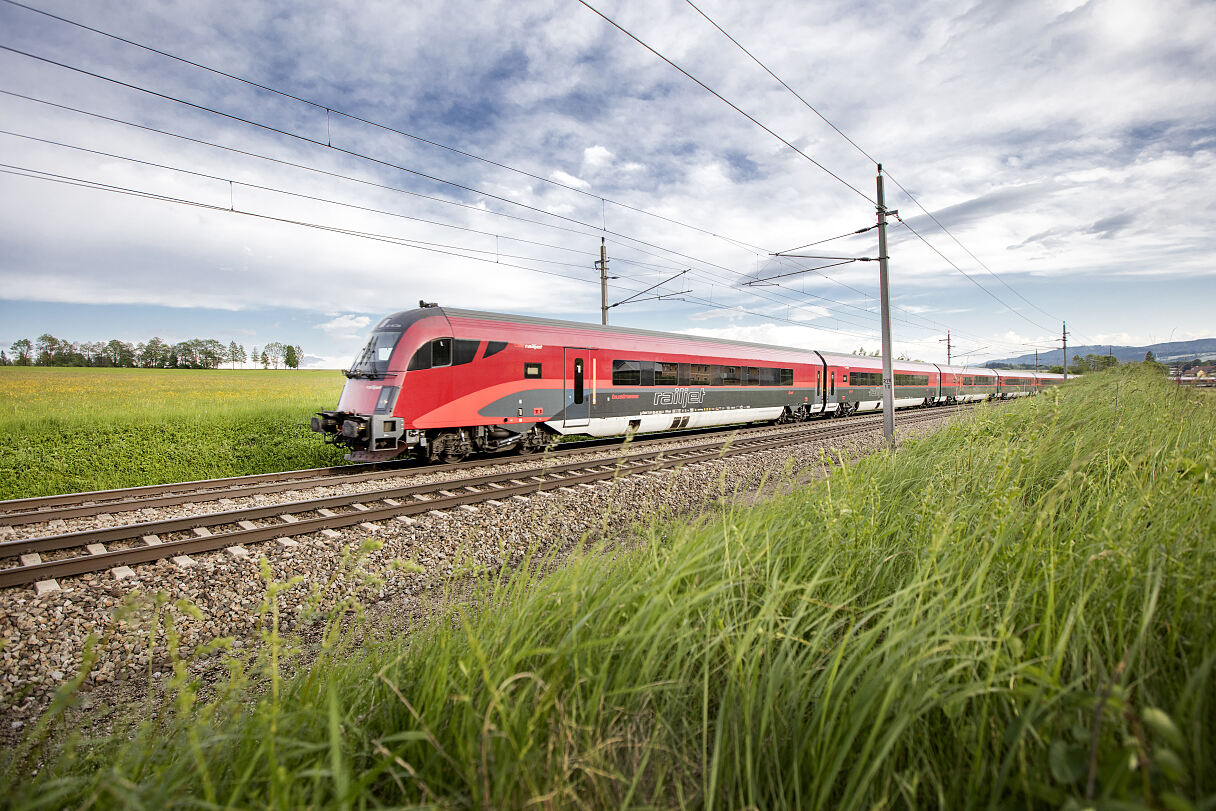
578, 379
821, 385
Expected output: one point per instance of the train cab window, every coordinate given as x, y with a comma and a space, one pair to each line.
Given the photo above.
730, 375
666, 374
494, 347
752, 377
464, 351
531, 371
441, 352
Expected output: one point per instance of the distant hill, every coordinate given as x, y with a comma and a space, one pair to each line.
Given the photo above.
1202, 348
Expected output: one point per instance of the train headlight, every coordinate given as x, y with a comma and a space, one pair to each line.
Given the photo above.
386, 400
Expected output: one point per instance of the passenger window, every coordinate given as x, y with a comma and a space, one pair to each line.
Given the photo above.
626, 373
494, 347
753, 376
787, 377
464, 351
730, 375
666, 374
531, 370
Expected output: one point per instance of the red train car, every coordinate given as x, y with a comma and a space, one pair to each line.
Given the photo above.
445, 383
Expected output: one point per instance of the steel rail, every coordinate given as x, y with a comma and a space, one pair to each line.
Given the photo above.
39, 509
543, 480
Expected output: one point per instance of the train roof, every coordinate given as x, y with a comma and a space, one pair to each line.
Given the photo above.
404, 319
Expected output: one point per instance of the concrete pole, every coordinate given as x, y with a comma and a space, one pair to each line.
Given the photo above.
888, 378
603, 263
1064, 343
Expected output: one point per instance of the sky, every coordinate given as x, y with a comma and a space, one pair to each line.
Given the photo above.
321, 165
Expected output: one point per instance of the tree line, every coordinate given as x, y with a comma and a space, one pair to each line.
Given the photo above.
196, 353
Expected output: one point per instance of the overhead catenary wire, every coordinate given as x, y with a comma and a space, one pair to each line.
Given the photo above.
950, 262
376, 160
726, 101
35, 174
421, 174
404, 191
352, 153
828, 314
869, 157
380, 125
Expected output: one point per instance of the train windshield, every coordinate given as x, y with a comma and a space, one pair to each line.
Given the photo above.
373, 360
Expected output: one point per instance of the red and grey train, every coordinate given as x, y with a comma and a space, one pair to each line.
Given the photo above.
444, 383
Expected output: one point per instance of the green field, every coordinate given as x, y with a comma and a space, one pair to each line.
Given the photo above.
65, 430
1015, 612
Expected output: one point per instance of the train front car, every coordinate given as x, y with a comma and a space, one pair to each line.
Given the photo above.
440, 384
364, 420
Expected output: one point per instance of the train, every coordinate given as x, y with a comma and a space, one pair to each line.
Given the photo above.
440, 383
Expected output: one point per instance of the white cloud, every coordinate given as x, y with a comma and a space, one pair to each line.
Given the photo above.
595, 158
345, 327
568, 179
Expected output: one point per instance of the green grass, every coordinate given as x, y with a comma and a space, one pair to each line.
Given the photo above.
65, 430
1015, 612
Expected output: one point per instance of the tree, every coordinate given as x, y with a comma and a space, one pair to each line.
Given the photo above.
1149, 358
4, 361
154, 354
210, 353
265, 360
23, 350
290, 360
236, 354
47, 346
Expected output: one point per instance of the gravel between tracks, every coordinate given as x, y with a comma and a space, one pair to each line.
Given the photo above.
43, 638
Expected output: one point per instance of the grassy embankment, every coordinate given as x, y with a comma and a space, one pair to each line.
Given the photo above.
64, 430
1018, 611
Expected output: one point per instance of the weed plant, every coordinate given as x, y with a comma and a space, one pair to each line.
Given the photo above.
67, 430
1015, 612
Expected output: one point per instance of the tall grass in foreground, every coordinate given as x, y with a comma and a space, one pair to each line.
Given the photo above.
1018, 611
64, 430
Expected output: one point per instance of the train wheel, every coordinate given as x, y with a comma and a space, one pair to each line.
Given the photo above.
450, 447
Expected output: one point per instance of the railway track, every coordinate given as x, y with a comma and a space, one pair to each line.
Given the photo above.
40, 509
41, 560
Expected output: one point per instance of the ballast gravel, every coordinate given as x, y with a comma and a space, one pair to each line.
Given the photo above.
121, 623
